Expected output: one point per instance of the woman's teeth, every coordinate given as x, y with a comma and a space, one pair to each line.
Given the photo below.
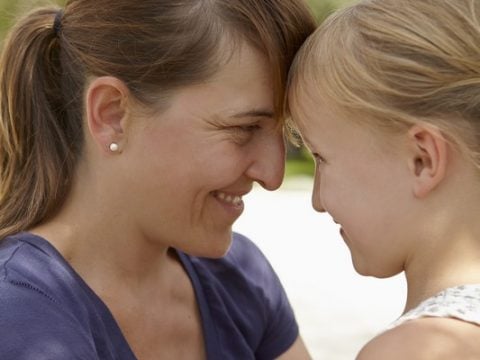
231, 199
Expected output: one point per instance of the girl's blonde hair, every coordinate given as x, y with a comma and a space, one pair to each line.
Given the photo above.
396, 62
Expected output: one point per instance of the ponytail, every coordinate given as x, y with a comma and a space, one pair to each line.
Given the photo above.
38, 146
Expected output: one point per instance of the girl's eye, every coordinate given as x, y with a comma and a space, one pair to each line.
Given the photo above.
318, 159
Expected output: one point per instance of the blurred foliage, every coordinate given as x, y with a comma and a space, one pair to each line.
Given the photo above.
299, 161
11, 9
322, 8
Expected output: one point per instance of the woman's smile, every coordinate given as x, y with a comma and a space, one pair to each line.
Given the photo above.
232, 203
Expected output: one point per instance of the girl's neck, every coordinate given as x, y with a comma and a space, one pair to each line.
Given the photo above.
456, 261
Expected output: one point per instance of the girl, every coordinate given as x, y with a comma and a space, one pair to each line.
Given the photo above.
386, 96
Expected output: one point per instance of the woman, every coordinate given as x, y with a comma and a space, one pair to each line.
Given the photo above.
130, 132
386, 95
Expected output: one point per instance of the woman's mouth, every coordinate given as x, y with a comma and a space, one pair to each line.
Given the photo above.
235, 200
231, 204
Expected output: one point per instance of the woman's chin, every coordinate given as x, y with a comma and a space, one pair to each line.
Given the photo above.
214, 246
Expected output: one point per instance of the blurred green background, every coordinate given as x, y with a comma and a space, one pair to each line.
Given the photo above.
299, 162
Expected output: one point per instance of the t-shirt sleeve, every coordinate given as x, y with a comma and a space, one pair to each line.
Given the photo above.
33, 326
281, 328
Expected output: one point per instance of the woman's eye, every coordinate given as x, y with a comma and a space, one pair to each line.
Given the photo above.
249, 128
243, 133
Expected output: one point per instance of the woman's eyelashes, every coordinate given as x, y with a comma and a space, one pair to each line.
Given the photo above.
249, 128
243, 133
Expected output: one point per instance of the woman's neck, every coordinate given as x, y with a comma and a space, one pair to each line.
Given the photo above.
102, 244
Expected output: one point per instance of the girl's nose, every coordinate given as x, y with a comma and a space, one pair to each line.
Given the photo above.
316, 198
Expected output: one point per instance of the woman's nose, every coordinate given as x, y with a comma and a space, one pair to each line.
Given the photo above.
268, 167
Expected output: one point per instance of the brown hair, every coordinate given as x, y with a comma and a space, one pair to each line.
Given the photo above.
392, 63
153, 46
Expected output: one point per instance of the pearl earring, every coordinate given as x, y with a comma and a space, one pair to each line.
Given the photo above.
113, 147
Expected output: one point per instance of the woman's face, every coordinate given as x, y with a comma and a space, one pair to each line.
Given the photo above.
361, 180
189, 167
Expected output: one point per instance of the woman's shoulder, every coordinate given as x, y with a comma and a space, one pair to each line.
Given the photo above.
44, 301
29, 259
22, 258
32, 270
424, 339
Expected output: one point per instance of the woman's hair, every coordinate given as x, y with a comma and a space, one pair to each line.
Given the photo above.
392, 63
153, 46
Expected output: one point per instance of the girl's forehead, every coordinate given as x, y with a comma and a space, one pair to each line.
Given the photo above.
309, 105
302, 98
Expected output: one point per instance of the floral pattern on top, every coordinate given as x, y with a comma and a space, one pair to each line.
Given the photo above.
459, 302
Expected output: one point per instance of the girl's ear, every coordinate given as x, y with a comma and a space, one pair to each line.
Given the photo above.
428, 159
106, 110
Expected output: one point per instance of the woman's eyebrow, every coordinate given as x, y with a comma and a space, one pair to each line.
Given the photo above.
254, 113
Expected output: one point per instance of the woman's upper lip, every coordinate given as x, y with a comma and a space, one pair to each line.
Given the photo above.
239, 192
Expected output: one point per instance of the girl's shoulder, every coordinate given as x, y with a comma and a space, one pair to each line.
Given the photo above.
424, 339
460, 302
444, 326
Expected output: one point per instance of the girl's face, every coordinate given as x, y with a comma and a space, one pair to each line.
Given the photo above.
189, 167
361, 180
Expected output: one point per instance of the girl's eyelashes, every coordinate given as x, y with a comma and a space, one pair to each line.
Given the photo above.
318, 158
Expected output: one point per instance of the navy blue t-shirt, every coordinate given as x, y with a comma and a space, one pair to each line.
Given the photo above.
48, 312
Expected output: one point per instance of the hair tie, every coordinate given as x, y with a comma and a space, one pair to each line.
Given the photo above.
57, 23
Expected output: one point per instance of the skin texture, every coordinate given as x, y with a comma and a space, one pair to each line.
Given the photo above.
405, 201
162, 189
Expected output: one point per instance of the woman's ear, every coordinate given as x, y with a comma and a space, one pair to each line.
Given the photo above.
428, 159
106, 110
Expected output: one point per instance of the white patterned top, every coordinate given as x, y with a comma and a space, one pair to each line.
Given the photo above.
460, 302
